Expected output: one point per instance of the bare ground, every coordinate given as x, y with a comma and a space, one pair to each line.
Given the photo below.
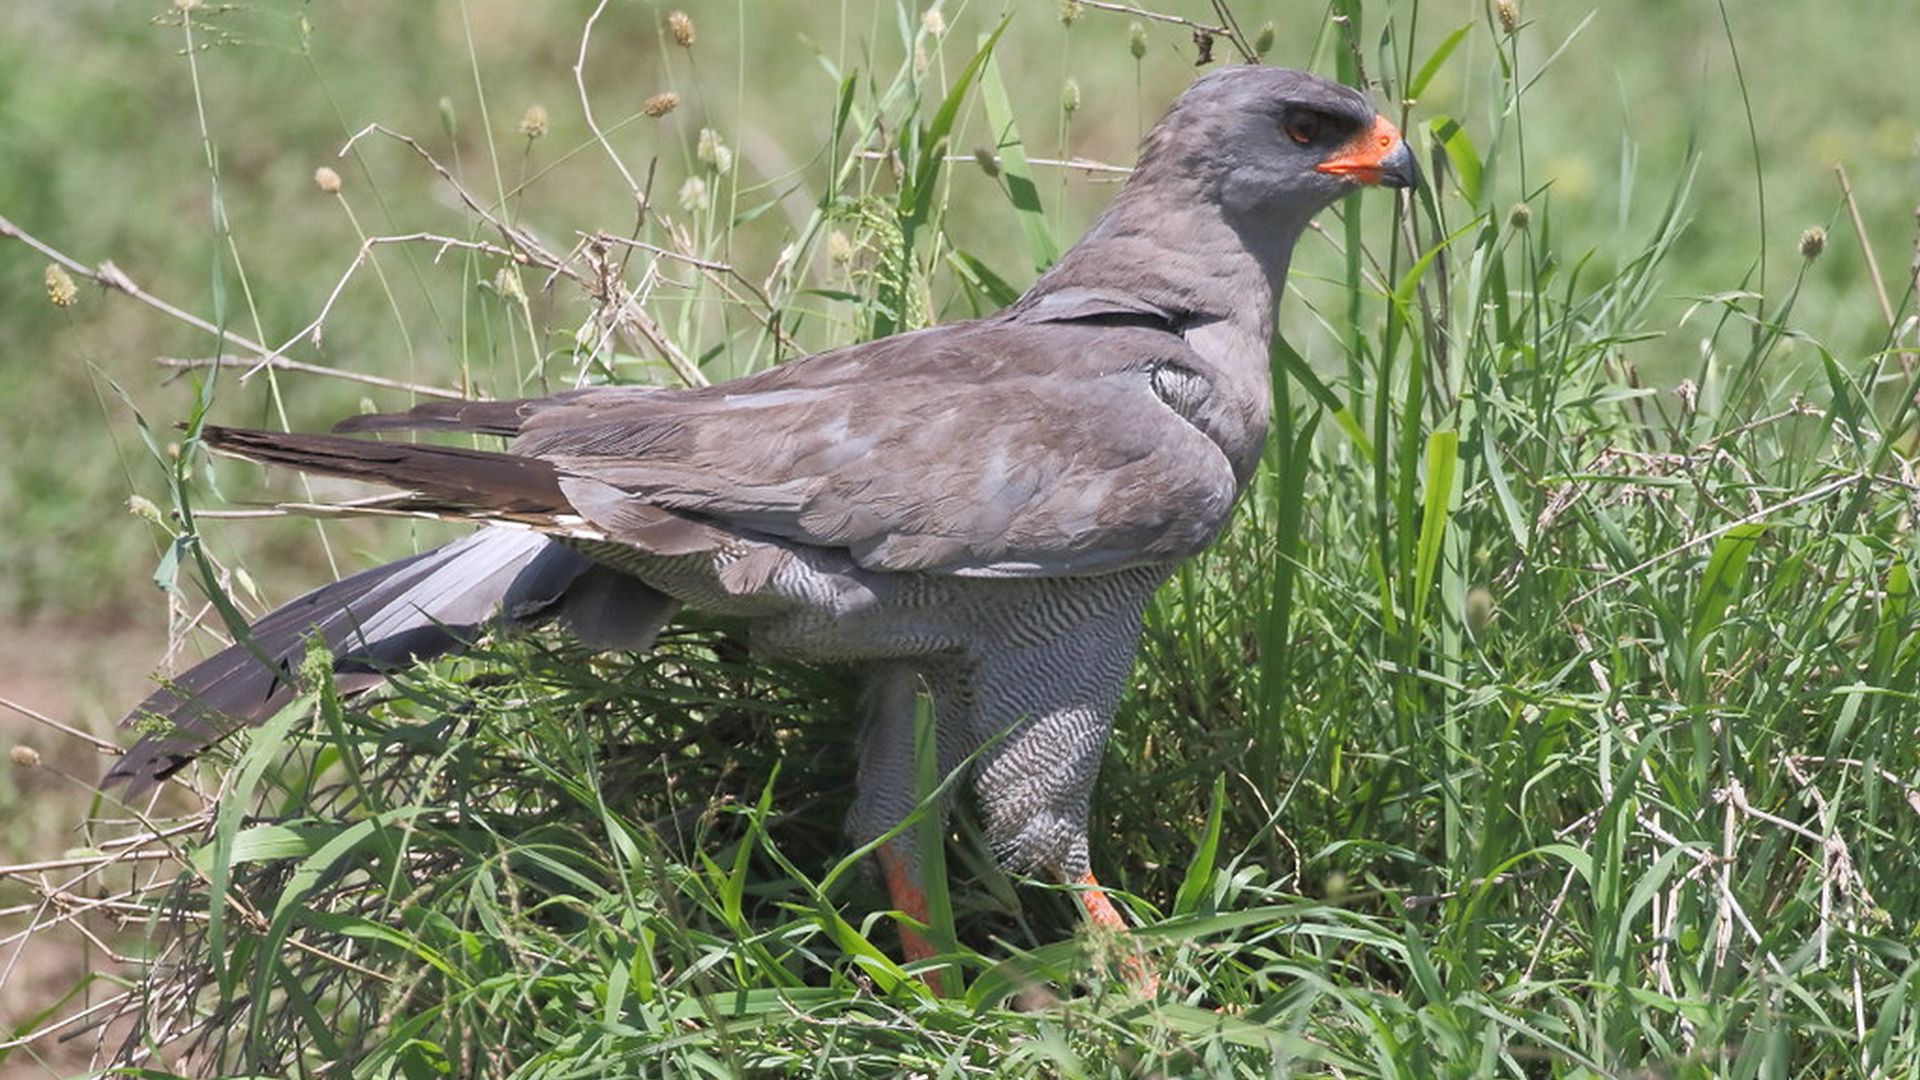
84, 676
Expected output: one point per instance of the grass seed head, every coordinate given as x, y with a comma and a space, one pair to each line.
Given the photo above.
533, 123
142, 507
1813, 242
714, 151
694, 195
61, 291
1137, 38
1070, 11
24, 756
1520, 216
934, 23
1263, 39
1509, 13
326, 180
507, 283
660, 104
839, 248
680, 25
1480, 609
1070, 96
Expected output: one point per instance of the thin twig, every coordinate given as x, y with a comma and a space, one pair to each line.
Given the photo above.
1155, 16
282, 363
109, 276
1078, 163
40, 717
1866, 249
586, 108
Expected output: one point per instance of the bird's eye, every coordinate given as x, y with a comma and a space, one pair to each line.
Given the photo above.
1303, 127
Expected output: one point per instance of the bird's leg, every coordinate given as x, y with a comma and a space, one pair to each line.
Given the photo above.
902, 872
887, 791
1035, 782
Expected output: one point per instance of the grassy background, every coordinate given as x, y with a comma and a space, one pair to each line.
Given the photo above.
1476, 817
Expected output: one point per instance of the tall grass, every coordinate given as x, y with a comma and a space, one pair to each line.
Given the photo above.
1530, 721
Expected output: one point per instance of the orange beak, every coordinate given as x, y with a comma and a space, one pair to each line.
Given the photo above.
1376, 156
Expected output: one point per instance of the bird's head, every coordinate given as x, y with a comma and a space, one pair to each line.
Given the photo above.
1276, 145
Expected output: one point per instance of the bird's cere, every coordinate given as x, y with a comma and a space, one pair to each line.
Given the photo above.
1375, 156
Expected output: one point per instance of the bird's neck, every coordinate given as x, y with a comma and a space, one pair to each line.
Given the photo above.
1176, 251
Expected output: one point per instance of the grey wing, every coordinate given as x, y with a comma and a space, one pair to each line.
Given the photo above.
1030, 475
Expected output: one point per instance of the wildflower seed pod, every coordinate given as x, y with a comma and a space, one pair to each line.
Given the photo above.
680, 25
533, 123
326, 180
1263, 39
660, 104
1520, 216
61, 291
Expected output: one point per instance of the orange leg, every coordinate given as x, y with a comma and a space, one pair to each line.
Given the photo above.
904, 889
1101, 912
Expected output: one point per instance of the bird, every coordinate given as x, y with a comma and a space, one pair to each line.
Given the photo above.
978, 511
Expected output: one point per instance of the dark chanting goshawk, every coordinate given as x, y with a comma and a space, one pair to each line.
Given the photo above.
980, 510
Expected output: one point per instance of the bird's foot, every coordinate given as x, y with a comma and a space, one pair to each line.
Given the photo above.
903, 886
1101, 913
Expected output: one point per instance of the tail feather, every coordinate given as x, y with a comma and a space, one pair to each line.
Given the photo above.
477, 479
378, 621
484, 417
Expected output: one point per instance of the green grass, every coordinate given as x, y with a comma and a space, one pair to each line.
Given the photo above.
1534, 719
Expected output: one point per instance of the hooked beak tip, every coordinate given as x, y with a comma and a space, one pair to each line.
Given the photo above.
1399, 169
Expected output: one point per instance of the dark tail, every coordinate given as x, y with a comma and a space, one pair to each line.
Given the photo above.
470, 479
381, 620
